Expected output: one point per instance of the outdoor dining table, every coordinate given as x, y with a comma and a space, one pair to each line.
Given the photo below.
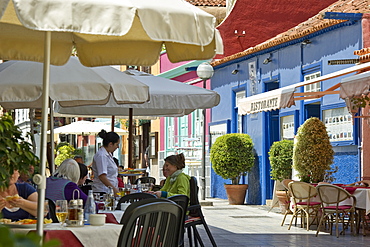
362, 199
106, 235
113, 217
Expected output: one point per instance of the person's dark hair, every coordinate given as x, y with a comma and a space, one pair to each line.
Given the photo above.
116, 161
177, 160
83, 170
108, 137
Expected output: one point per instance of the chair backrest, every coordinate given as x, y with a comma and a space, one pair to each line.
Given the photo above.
183, 202
285, 183
151, 224
133, 198
142, 202
332, 194
301, 190
52, 212
194, 200
146, 180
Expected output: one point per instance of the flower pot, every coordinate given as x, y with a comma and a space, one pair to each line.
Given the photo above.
236, 193
284, 200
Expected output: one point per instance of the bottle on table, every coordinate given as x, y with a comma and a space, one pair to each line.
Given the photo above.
128, 187
139, 187
90, 207
111, 199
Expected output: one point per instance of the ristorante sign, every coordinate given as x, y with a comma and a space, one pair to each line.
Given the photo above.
266, 104
268, 101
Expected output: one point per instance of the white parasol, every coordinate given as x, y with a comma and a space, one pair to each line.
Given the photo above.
103, 33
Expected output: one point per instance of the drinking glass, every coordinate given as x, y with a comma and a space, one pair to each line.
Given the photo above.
61, 210
108, 202
145, 187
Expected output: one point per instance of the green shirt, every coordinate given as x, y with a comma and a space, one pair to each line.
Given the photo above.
180, 187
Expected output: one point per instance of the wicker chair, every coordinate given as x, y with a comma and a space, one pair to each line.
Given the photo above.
331, 197
302, 194
285, 183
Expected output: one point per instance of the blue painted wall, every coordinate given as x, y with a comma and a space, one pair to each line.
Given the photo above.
287, 67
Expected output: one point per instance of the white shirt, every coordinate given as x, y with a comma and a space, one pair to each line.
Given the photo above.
103, 163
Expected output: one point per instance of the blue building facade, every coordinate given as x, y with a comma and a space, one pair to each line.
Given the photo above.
304, 55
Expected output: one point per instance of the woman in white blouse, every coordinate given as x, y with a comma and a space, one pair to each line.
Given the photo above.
104, 168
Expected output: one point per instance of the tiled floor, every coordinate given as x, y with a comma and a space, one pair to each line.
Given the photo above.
247, 225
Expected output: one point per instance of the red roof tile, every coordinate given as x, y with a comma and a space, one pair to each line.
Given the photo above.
214, 3
312, 25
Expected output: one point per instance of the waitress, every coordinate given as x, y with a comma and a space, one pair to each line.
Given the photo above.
104, 168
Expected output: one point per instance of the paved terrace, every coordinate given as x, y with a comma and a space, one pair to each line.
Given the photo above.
251, 225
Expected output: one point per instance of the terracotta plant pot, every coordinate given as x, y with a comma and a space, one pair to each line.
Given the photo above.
236, 193
284, 201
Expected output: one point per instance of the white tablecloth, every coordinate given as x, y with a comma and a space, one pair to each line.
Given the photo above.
362, 199
88, 235
116, 213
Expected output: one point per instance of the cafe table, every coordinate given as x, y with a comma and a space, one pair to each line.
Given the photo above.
362, 199
113, 217
106, 235
363, 207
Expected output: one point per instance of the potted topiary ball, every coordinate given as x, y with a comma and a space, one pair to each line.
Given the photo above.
281, 161
232, 156
313, 153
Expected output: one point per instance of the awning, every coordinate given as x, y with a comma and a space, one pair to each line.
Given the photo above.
286, 96
272, 100
356, 85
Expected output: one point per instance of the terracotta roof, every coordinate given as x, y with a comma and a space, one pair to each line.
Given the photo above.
214, 3
314, 24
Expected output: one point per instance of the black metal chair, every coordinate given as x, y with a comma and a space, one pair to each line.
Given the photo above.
85, 188
196, 217
183, 201
150, 223
133, 198
52, 213
145, 180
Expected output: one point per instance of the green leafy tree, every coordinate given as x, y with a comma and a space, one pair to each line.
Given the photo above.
313, 153
281, 160
15, 151
65, 151
232, 156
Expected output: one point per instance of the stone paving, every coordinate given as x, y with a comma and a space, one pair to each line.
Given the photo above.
251, 225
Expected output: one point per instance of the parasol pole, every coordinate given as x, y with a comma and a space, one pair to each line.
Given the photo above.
112, 123
130, 138
52, 146
40, 179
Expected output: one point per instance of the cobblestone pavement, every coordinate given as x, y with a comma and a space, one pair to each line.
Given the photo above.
251, 225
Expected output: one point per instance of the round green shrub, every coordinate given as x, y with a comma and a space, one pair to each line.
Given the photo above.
232, 156
313, 153
281, 159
